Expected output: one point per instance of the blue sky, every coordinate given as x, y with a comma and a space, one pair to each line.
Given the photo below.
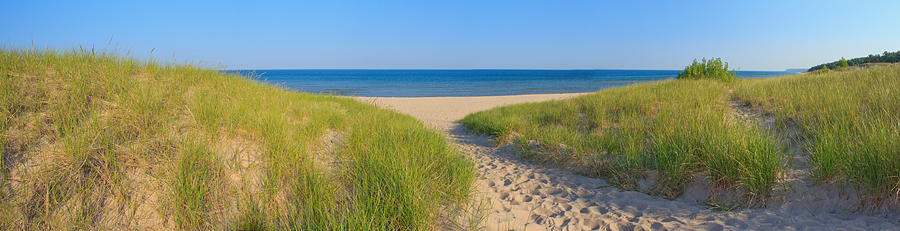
750, 35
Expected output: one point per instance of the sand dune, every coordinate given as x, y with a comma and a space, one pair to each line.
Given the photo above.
524, 196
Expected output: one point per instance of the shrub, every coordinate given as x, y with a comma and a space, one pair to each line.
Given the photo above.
713, 68
822, 71
842, 65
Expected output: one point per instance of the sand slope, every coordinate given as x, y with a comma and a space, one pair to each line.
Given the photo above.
524, 196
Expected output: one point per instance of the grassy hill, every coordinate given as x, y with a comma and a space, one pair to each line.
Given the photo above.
849, 125
676, 127
99, 141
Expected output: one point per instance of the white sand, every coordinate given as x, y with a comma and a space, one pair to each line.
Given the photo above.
524, 196
443, 112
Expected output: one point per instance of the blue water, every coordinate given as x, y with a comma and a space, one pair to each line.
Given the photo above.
430, 83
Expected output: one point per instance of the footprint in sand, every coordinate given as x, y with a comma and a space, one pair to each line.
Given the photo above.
552, 199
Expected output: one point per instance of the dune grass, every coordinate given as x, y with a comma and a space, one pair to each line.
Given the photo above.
97, 140
850, 122
674, 127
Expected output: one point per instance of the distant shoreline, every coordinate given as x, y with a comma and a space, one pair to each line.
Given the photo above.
463, 83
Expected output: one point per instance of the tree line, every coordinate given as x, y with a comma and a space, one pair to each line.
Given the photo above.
886, 57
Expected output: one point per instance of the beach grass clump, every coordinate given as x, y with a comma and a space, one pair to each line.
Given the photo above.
95, 140
713, 68
850, 121
674, 128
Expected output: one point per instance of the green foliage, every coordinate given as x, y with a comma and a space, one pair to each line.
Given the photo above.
194, 180
842, 64
713, 68
886, 57
673, 127
849, 120
186, 148
824, 70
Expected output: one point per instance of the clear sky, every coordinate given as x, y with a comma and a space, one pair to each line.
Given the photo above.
750, 35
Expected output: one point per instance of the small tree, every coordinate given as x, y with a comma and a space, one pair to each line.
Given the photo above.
842, 64
713, 68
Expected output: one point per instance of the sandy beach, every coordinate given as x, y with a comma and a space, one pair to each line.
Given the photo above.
520, 195
443, 112
450, 115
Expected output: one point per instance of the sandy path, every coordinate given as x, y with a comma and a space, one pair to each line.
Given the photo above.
524, 196
443, 112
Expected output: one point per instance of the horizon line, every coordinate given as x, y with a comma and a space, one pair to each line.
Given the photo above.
478, 69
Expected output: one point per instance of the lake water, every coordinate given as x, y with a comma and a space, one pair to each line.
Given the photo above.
431, 83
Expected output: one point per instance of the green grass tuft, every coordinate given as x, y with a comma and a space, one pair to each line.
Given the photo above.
674, 127
850, 121
97, 140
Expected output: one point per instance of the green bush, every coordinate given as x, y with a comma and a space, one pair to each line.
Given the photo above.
713, 68
823, 70
842, 65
